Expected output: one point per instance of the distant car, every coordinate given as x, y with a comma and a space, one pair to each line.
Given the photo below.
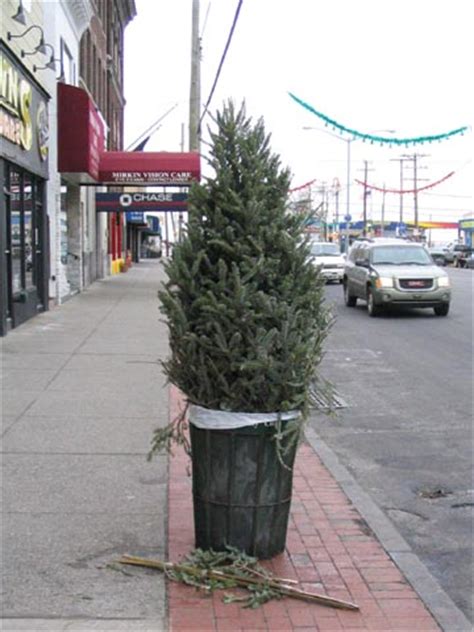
461, 253
328, 257
439, 255
470, 261
449, 253
394, 272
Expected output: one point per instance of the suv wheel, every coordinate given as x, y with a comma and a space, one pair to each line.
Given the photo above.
349, 299
372, 308
441, 310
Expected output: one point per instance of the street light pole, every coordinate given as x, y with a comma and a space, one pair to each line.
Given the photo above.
348, 193
348, 174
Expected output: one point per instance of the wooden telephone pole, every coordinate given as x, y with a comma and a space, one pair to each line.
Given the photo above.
195, 92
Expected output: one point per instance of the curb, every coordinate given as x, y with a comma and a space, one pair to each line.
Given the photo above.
438, 602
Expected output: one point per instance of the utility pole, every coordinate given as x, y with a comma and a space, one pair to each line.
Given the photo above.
195, 92
414, 158
366, 170
401, 161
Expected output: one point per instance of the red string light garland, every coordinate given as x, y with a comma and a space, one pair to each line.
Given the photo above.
403, 191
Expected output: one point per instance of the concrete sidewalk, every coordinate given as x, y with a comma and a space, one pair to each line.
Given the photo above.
83, 391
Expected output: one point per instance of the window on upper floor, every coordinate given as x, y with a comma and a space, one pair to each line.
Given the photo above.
68, 65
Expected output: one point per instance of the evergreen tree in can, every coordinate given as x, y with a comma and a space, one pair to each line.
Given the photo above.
243, 302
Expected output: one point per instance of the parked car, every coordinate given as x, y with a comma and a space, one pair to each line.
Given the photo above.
461, 254
439, 255
394, 272
470, 261
329, 258
449, 253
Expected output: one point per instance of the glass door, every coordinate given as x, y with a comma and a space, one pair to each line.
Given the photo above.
25, 244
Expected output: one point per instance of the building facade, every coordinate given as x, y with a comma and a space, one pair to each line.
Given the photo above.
52, 241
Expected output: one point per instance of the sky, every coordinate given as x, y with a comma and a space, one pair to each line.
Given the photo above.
400, 68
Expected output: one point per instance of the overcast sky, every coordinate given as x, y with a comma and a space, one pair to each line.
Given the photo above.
371, 65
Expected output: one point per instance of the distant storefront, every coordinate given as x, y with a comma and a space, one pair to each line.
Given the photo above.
24, 231
466, 229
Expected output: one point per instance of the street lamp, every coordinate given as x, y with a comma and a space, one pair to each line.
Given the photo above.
348, 141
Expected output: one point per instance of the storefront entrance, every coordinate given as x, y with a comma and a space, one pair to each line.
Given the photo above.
25, 242
24, 231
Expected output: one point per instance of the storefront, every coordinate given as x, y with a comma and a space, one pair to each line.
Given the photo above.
143, 233
466, 231
24, 231
84, 161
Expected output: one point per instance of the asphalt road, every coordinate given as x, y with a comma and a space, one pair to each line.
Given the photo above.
405, 432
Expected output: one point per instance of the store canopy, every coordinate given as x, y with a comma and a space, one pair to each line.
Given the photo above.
82, 157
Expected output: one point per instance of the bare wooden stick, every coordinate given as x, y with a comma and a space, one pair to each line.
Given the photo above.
241, 581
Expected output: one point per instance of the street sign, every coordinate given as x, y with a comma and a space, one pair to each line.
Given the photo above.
347, 218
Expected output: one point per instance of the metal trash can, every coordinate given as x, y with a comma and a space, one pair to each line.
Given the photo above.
241, 491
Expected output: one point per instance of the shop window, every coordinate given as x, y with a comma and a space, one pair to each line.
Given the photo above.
68, 66
15, 231
28, 231
63, 225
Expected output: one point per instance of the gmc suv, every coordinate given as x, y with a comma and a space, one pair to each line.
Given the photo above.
387, 272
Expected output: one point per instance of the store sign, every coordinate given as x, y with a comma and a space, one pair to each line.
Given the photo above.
136, 201
23, 115
81, 135
134, 217
149, 168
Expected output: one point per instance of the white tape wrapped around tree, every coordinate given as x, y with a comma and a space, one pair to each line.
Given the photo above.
209, 419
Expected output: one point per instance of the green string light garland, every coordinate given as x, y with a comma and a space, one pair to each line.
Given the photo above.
378, 139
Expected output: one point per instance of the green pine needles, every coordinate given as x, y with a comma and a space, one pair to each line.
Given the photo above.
243, 303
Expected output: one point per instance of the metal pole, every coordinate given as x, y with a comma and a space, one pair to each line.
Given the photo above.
383, 211
416, 193
401, 189
167, 236
195, 92
348, 192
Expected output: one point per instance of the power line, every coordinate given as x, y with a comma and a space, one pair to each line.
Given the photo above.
152, 129
221, 63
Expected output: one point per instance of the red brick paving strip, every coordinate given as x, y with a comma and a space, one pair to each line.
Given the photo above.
329, 550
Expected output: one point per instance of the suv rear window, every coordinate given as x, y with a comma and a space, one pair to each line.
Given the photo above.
325, 249
400, 255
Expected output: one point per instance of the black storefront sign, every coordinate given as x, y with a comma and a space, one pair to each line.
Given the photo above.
141, 202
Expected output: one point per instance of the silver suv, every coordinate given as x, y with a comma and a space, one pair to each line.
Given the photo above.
387, 272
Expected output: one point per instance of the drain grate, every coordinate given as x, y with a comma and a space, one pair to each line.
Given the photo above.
327, 401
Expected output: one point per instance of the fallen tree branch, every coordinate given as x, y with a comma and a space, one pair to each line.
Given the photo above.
244, 582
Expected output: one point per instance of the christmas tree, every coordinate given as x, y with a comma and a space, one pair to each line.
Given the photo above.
243, 303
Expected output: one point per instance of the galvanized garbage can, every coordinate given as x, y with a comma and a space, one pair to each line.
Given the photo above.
241, 490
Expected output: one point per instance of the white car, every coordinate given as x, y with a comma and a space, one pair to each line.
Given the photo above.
328, 257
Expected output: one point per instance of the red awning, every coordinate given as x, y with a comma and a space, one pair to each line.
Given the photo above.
149, 168
82, 159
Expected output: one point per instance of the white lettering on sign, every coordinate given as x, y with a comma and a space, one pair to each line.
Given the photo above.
151, 176
126, 199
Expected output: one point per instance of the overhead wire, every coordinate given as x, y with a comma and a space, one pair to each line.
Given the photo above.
221, 63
